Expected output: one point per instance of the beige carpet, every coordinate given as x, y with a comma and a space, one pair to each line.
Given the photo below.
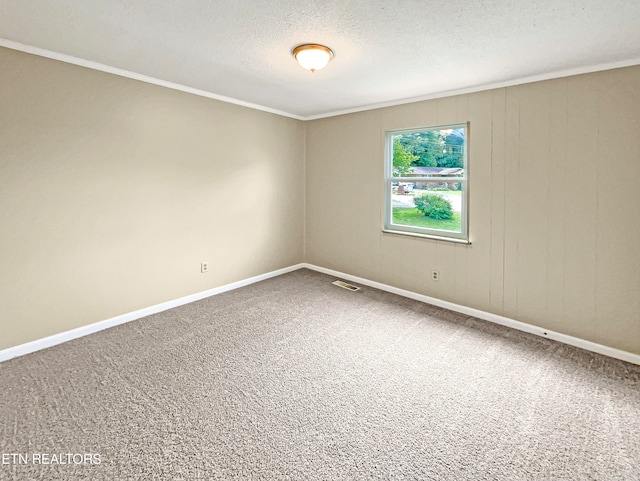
294, 378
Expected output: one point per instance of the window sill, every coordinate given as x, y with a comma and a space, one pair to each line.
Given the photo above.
427, 236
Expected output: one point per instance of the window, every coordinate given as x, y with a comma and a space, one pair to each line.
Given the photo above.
426, 182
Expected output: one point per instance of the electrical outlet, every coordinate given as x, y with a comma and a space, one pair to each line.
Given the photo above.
204, 267
435, 275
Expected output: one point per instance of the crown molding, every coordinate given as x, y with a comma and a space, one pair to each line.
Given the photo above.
334, 113
136, 76
484, 87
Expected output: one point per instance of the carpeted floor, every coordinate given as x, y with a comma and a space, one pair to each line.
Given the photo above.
294, 378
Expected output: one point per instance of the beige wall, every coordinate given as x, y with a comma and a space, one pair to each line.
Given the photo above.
112, 192
555, 204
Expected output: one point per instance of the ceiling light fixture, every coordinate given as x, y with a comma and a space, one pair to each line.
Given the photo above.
312, 56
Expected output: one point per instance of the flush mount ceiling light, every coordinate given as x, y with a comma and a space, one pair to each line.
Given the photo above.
312, 56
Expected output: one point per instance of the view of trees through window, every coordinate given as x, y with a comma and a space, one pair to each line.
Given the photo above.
428, 180
431, 148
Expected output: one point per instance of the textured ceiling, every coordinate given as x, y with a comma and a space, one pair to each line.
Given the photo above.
386, 51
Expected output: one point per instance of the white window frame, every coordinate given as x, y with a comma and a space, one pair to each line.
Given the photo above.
389, 179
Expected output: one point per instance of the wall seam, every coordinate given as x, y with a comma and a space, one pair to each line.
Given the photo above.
304, 191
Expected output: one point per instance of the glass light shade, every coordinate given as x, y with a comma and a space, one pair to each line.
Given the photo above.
313, 57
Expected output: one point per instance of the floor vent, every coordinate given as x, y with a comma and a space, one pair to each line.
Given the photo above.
344, 285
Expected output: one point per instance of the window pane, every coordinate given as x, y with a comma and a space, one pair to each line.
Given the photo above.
429, 152
430, 205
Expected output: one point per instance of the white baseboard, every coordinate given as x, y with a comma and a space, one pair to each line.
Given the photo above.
45, 342
49, 341
487, 316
